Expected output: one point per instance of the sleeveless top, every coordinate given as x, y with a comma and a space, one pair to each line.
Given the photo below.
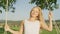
31, 27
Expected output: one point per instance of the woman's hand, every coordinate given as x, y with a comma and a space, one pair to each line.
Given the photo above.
50, 15
7, 28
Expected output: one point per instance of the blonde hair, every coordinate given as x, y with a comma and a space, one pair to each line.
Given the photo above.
40, 16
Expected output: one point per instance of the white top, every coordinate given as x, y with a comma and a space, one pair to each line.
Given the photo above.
31, 27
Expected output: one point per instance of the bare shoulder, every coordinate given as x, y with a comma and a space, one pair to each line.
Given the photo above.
22, 22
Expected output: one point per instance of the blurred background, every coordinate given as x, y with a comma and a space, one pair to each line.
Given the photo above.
18, 10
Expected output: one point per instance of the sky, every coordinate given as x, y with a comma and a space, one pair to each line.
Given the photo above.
23, 9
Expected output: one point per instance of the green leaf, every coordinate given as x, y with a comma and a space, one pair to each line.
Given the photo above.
56, 6
12, 11
0, 11
46, 4
10, 4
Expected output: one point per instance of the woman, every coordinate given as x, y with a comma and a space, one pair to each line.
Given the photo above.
34, 23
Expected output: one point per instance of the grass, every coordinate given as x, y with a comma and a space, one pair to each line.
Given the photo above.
42, 31
15, 26
47, 32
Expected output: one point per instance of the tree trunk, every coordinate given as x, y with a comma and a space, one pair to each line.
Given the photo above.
6, 10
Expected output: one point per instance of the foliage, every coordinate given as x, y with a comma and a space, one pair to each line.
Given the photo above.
46, 4
10, 4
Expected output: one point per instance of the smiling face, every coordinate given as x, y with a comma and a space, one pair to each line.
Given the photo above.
34, 12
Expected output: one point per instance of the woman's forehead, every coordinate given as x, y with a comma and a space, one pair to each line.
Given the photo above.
36, 9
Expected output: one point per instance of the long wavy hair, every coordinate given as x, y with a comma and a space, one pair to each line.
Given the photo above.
40, 15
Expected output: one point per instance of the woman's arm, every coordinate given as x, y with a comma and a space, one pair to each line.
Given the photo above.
21, 27
45, 26
15, 32
7, 28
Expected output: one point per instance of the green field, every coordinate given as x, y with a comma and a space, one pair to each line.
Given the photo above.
14, 25
42, 31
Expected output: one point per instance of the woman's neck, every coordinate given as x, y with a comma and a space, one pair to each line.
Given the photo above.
32, 19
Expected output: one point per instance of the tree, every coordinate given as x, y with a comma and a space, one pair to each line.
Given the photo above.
3, 4
7, 5
47, 4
